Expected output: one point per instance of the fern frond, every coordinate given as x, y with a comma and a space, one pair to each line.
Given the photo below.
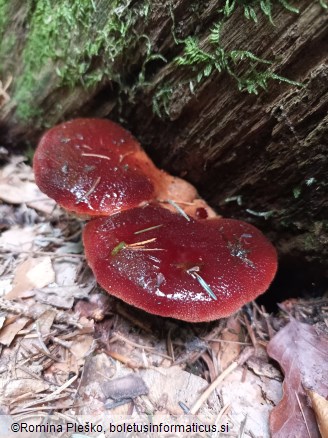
240, 55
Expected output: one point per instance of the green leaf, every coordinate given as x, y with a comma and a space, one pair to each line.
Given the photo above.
289, 7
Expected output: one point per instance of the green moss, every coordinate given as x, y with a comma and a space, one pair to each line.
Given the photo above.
71, 38
297, 192
216, 58
201, 60
71, 44
4, 6
6, 49
161, 100
252, 8
7, 42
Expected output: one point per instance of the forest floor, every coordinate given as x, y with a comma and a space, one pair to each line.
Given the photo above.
70, 353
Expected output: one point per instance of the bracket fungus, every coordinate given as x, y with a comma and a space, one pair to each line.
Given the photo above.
151, 242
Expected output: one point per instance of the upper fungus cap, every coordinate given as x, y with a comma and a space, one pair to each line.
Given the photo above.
94, 167
164, 264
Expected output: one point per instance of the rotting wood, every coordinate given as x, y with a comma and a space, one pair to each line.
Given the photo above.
269, 150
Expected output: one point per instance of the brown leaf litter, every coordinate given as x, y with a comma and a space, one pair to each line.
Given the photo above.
67, 348
302, 353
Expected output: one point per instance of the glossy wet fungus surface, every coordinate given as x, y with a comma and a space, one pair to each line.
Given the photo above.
190, 270
94, 168
151, 254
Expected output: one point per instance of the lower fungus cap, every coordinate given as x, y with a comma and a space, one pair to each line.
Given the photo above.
191, 270
94, 167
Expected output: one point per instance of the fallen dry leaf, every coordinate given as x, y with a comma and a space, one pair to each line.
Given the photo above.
97, 370
2, 320
303, 357
169, 387
15, 191
15, 388
66, 271
81, 346
16, 187
45, 321
61, 296
229, 348
250, 399
31, 274
17, 239
8, 333
320, 407
96, 307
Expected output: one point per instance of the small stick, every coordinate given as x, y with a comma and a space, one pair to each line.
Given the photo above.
242, 359
204, 285
40, 253
52, 357
169, 345
95, 155
179, 209
93, 187
302, 412
242, 427
118, 336
125, 155
229, 342
250, 331
144, 242
222, 412
193, 272
43, 345
148, 229
137, 246
24, 309
265, 214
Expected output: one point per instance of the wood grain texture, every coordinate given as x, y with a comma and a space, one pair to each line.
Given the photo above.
270, 149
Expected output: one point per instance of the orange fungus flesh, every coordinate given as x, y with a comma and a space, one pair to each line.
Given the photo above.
164, 264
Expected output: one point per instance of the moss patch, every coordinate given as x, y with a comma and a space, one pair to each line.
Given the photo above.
7, 43
76, 39
202, 59
70, 44
3, 15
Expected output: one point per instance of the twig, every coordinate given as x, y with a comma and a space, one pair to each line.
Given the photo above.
242, 427
49, 355
24, 309
221, 413
124, 360
93, 187
39, 253
242, 359
169, 345
43, 345
179, 209
95, 156
148, 229
250, 332
118, 336
229, 342
302, 412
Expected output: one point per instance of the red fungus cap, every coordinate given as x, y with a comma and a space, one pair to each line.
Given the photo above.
94, 167
167, 265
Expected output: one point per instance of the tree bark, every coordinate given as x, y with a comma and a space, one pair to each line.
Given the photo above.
262, 158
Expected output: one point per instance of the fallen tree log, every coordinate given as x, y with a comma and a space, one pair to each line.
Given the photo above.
187, 79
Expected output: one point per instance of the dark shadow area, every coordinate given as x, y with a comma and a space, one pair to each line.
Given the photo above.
294, 279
